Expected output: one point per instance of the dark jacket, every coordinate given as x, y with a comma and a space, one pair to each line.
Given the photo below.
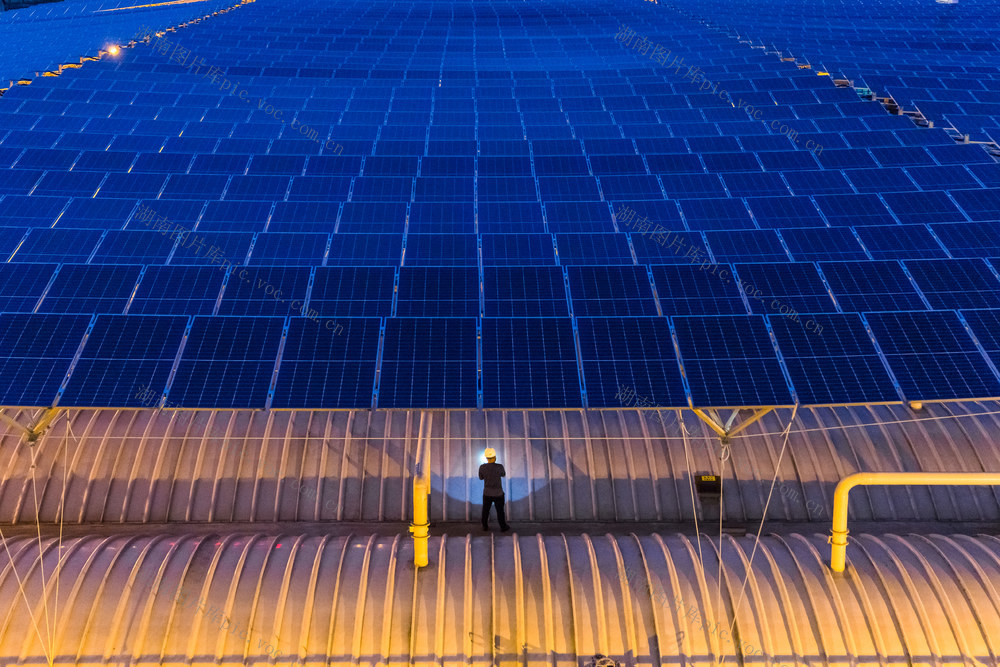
491, 473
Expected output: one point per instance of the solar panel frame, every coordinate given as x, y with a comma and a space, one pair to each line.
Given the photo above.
227, 363
628, 356
326, 368
611, 291
729, 361
529, 363
430, 362
123, 354
834, 361
932, 356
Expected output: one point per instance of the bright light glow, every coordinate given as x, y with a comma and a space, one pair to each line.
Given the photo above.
114, 50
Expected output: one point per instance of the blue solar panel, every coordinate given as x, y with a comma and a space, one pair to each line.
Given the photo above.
136, 246
441, 250
824, 243
626, 358
529, 363
22, 285
524, 291
969, 239
429, 362
96, 213
510, 217
351, 292
932, 356
729, 361
177, 290
693, 290
758, 245
227, 362
979, 204
518, 249
293, 249
38, 351
780, 212
441, 218
328, 364
830, 359
57, 245
956, 283
127, 358
900, 242
35, 211
264, 290
90, 289
922, 207
356, 217
438, 292
365, 250
985, 326
220, 249
611, 291
593, 249
772, 288
243, 216
871, 286
713, 213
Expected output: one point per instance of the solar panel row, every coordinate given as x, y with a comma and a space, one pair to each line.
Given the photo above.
461, 218
501, 291
293, 362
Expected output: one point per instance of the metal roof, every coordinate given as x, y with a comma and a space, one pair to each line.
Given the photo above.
147, 466
288, 598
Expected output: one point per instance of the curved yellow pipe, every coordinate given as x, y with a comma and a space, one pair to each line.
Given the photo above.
838, 537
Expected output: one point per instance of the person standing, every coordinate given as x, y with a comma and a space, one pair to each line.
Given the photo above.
491, 472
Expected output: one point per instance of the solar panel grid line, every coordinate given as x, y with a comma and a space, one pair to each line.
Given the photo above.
73, 362
479, 363
933, 356
979, 344
781, 360
277, 365
652, 287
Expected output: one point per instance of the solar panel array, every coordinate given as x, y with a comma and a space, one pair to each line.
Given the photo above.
499, 205
938, 58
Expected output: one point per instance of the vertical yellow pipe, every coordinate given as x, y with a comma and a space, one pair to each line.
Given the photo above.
838, 536
420, 528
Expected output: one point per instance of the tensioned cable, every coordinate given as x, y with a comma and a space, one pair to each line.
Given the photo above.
41, 560
62, 515
723, 457
20, 586
763, 517
742, 435
694, 507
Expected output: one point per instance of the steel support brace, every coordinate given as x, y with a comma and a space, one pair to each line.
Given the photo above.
32, 434
726, 431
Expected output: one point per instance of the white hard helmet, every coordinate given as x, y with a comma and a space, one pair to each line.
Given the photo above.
490, 453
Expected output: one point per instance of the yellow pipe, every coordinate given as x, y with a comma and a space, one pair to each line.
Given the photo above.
838, 538
420, 528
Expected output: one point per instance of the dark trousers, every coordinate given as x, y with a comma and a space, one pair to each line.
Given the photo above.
501, 515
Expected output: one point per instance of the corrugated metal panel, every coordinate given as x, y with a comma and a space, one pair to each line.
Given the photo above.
222, 466
520, 599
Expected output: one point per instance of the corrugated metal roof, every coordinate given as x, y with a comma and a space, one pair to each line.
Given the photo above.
222, 466
519, 599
